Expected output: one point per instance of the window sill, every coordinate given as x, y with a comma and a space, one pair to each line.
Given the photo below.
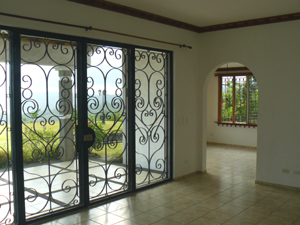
237, 124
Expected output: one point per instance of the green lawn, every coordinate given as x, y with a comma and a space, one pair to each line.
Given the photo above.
109, 124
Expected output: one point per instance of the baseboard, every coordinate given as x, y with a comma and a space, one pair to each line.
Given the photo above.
241, 146
190, 174
277, 185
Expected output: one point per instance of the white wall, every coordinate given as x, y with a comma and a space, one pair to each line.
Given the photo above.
244, 136
272, 53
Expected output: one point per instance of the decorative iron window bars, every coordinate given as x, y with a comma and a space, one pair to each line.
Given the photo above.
237, 97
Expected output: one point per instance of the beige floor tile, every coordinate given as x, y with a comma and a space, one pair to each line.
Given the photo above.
49, 223
88, 222
217, 217
184, 191
240, 221
162, 212
231, 193
261, 207
145, 219
229, 210
211, 204
271, 220
165, 222
142, 196
144, 206
127, 212
296, 222
108, 218
292, 205
286, 213
175, 207
241, 203
81, 216
161, 200
204, 221
252, 215
287, 191
182, 217
127, 222
241, 188
172, 196
197, 209
253, 196
110, 207
191, 200
127, 201
221, 198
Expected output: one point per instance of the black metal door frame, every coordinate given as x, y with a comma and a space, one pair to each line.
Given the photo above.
16, 124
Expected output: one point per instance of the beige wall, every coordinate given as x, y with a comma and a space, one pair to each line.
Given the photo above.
271, 52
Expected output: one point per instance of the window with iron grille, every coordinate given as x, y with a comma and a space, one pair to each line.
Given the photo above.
237, 97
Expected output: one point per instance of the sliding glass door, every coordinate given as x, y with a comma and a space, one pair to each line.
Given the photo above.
81, 121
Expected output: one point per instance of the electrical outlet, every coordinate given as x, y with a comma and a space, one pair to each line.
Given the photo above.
284, 170
296, 172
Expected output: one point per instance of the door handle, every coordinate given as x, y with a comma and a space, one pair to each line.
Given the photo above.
89, 137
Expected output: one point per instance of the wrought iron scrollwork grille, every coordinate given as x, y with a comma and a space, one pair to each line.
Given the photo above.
151, 116
6, 190
48, 84
106, 100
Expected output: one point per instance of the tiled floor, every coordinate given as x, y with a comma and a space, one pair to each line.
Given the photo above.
225, 195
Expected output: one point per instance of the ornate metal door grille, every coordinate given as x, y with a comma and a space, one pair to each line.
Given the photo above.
68, 92
48, 88
151, 110
107, 76
6, 190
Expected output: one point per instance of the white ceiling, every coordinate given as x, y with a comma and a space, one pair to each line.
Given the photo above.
211, 12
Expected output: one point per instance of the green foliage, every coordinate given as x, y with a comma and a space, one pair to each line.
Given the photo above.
97, 127
241, 102
99, 148
4, 157
40, 145
116, 116
227, 106
240, 110
35, 114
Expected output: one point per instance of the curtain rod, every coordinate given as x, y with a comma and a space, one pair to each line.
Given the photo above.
96, 29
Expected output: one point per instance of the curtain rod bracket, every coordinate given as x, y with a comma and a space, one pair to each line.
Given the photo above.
89, 28
185, 46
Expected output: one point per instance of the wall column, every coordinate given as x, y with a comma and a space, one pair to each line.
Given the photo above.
65, 85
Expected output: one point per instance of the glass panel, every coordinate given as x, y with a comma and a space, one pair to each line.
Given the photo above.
253, 100
108, 172
6, 189
150, 121
227, 98
240, 99
48, 83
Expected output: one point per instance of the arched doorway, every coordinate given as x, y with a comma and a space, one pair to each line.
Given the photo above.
230, 108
